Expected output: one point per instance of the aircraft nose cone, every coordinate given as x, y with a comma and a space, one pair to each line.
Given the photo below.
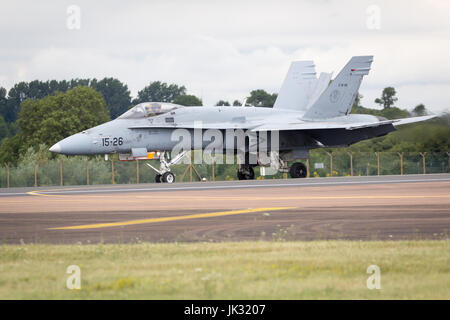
55, 148
77, 144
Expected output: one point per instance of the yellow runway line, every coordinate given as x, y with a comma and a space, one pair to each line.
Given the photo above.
165, 219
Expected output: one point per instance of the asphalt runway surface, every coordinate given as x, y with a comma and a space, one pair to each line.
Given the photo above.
356, 208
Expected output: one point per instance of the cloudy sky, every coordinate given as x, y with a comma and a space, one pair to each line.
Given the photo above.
224, 49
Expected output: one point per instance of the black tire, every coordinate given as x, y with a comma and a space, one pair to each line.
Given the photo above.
246, 173
158, 178
298, 170
168, 177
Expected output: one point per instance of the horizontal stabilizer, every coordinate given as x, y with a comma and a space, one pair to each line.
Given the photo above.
399, 122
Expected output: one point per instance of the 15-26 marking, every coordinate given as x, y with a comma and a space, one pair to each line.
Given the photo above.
116, 141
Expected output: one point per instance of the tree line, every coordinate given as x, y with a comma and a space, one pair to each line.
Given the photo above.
37, 112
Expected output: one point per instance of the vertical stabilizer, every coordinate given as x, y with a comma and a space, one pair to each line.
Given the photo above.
339, 96
321, 84
297, 87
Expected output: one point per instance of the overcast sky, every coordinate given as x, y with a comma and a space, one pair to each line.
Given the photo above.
224, 49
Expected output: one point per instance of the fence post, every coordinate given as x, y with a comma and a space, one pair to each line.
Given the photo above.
423, 161
448, 168
330, 154
378, 162
401, 162
7, 176
35, 174
137, 170
190, 167
112, 170
351, 163
307, 168
213, 168
60, 172
87, 171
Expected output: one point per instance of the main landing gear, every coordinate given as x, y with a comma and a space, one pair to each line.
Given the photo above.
163, 174
297, 169
246, 172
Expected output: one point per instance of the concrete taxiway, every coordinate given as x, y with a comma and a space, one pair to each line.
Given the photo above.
367, 208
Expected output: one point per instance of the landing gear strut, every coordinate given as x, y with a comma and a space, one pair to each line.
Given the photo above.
164, 174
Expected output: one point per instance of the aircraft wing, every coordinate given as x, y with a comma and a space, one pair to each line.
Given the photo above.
260, 125
317, 125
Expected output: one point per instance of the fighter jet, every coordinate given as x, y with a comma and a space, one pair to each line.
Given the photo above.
309, 113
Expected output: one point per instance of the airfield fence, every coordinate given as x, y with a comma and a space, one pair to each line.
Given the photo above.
96, 170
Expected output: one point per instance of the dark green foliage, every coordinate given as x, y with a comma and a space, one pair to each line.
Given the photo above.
160, 92
388, 97
4, 129
116, 94
10, 149
420, 110
260, 98
188, 100
55, 117
222, 103
388, 113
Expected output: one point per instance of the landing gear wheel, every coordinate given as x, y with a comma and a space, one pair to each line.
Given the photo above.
246, 173
158, 178
168, 177
298, 170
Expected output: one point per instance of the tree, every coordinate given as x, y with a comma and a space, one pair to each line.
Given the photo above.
16, 95
237, 103
388, 97
420, 110
222, 103
3, 102
4, 130
159, 92
116, 94
10, 149
188, 100
260, 98
55, 117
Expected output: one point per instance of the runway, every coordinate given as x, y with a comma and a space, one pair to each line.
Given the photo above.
358, 208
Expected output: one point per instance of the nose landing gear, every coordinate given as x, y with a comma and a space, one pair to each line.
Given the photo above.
163, 174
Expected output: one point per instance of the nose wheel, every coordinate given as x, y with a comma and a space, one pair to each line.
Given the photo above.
168, 177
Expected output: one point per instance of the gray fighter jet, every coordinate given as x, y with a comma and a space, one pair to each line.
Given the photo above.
309, 113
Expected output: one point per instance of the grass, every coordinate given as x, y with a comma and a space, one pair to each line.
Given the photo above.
228, 270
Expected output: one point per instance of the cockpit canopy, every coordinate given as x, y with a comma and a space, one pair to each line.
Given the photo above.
149, 109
